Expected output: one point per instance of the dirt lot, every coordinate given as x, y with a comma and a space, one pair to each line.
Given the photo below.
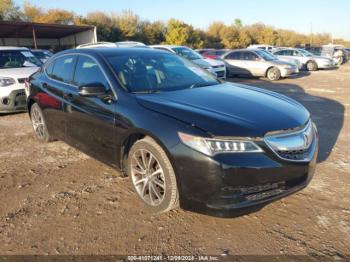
55, 200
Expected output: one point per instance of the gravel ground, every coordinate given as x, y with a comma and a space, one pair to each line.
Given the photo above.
56, 200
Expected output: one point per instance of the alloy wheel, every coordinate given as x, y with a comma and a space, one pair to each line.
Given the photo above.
38, 123
148, 177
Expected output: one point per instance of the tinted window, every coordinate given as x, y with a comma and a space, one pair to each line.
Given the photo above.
234, 56
249, 56
88, 72
279, 52
64, 68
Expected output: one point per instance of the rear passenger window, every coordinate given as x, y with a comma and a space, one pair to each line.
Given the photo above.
88, 72
234, 56
64, 68
248, 56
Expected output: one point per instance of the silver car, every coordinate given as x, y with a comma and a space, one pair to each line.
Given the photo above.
257, 63
308, 60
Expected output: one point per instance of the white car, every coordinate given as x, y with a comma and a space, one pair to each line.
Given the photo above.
307, 59
216, 67
124, 44
16, 65
268, 48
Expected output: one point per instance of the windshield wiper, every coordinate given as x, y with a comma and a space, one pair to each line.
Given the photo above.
150, 91
201, 85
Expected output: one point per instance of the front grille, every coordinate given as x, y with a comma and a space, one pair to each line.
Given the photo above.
293, 145
22, 93
21, 80
220, 74
294, 154
20, 98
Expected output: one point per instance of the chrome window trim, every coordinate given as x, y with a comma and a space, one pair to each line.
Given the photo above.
75, 86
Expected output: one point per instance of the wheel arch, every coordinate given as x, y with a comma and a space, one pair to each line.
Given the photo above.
267, 70
30, 103
131, 138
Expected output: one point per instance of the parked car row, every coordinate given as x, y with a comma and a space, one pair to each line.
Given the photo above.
268, 61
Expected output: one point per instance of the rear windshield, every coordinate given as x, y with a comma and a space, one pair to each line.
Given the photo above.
18, 58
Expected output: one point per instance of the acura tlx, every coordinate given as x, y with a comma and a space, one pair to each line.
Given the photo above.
183, 137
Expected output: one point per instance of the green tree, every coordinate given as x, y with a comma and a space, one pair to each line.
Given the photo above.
238, 23
152, 33
128, 24
106, 28
177, 33
10, 11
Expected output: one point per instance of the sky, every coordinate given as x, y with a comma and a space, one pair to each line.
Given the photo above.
329, 16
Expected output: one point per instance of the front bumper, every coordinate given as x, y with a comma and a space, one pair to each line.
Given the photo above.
229, 184
219, 71
15, 101
285, 72
326, 65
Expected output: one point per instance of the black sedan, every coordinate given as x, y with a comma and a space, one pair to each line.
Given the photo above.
182, 136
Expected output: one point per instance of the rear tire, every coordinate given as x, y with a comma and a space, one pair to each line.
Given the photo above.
311, 66
273, 74
152, 176
39, 124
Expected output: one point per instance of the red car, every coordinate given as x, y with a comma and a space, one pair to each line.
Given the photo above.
214, 53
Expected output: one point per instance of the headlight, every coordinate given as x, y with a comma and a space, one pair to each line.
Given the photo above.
6, 81
212, 146
206, 67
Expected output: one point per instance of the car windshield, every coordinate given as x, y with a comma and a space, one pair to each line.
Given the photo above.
41, 54
155, 72
18, 58
187, 53
266, 55
304, 52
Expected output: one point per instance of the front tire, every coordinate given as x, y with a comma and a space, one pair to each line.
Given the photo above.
311, 66
39, 124
273, 74
152, 176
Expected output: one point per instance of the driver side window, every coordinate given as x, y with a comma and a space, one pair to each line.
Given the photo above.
88, 72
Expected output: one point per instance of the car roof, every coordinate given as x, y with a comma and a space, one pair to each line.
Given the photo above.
169, 46
112, 51
13, 48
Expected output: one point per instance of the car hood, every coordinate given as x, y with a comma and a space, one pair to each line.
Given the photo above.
229, 109
280, 62
214, 62
202, 63
22, 72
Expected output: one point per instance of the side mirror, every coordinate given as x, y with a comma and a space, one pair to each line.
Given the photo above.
94, 89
